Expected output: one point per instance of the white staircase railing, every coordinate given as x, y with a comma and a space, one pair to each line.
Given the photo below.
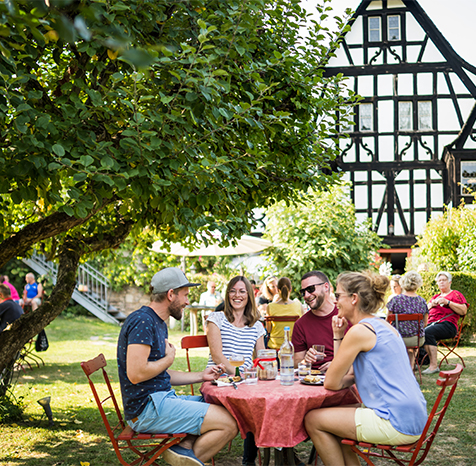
91, 290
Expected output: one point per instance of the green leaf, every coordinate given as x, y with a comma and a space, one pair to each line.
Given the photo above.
58, 149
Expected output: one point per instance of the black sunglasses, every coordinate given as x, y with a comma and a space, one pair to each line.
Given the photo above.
310, 288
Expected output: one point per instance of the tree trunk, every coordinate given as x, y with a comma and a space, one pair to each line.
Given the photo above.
29, 325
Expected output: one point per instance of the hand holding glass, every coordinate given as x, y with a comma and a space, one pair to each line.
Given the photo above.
319, 349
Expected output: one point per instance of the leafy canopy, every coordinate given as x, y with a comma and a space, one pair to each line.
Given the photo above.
319, 232
179, 115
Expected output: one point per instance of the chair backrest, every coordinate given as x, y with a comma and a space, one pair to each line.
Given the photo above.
446, 379
396, 318
269, 325
281, 318
89, 367
193, 341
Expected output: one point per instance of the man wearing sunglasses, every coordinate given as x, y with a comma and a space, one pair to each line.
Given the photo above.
315, 327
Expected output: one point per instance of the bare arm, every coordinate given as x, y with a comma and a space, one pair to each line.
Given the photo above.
187, 378
140, 369
357, 339
458, 308
215, 344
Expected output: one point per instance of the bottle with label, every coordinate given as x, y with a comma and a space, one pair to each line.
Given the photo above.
286, 357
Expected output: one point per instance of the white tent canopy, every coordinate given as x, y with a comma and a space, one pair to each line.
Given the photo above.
245, 245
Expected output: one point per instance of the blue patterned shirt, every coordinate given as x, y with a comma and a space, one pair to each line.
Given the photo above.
143, 327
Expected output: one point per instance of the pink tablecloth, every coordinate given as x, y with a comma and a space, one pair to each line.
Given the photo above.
273, 412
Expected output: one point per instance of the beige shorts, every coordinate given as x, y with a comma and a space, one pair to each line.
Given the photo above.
413, 341
373, 429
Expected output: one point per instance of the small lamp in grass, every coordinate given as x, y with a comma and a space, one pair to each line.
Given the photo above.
45, 404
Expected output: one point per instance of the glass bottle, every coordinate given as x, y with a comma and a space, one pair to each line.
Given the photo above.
286, 356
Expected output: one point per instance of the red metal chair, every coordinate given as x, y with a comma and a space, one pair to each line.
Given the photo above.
419, 449
193, 341
396, 318
148, 452
448, 347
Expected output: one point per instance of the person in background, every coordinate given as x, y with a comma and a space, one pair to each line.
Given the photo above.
445, 309
395, 286
9, 310
315, 326
410, 303
236, 330
144, 358
13, 290
372, 355
255, 288
269, 294
32, 293
211, 297
284, 306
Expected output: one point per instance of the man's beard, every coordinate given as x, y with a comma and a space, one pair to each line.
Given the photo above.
176, 311
318, 301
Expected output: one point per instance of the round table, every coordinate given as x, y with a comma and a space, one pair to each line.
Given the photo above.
275, 413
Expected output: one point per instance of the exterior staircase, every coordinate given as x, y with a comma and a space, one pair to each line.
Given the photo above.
91, 290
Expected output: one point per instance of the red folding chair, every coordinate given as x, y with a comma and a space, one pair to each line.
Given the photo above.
148, 452
396, 318
449, 347
194, 341
419, 449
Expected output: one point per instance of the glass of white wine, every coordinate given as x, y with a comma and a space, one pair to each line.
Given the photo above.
237, 360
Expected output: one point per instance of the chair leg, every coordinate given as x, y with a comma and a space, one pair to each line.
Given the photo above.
312, 456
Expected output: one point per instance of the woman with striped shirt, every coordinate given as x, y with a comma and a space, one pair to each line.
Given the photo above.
236, 330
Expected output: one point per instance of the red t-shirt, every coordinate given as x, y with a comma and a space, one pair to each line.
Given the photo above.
445, 313
314, 330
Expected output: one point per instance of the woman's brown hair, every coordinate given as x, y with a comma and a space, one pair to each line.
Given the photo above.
284, 288
251, 314
369, 286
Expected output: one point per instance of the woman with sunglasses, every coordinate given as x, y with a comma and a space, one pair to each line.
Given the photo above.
371, 354
236, 330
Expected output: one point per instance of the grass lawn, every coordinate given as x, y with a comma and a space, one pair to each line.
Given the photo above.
78, 436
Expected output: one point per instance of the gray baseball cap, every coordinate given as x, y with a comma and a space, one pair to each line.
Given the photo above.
169, 278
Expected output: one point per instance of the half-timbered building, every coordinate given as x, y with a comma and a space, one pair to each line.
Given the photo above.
412, 147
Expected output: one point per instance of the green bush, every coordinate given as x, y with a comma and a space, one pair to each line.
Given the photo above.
11, 408
465, 283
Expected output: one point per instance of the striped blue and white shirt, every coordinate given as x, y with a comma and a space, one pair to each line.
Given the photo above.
236, 340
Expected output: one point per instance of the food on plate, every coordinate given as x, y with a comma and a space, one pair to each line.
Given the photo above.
312, 379
230, 379
237, 378
316, 372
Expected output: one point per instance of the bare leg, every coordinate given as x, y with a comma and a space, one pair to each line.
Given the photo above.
411, 356
218, 428
433, 354
326, 427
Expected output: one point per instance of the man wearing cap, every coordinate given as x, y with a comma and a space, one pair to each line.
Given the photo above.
144, 357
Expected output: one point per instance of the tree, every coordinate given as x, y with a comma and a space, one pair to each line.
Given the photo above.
448, 241
319, 232
177, 116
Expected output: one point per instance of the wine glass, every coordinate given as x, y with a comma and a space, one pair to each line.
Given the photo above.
237, 360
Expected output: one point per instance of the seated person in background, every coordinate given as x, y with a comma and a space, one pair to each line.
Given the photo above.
284, 306
315, 326
236, 330
410, 303
32, 293
9, 309
445, 308
395, 286
144, 357
269, 294
372, 355
13, 290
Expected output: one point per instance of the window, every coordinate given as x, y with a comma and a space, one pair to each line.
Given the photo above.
366, 117
405, 116
374, 29
393, 27
424, 116
468, 178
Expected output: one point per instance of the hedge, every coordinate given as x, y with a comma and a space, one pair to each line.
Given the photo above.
465, 283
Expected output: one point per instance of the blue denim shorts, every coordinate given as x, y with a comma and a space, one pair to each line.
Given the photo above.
168, 413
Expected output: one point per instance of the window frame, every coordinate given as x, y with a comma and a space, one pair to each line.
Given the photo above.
371, 116
419, 116
379, 28
410, 115
399, 28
